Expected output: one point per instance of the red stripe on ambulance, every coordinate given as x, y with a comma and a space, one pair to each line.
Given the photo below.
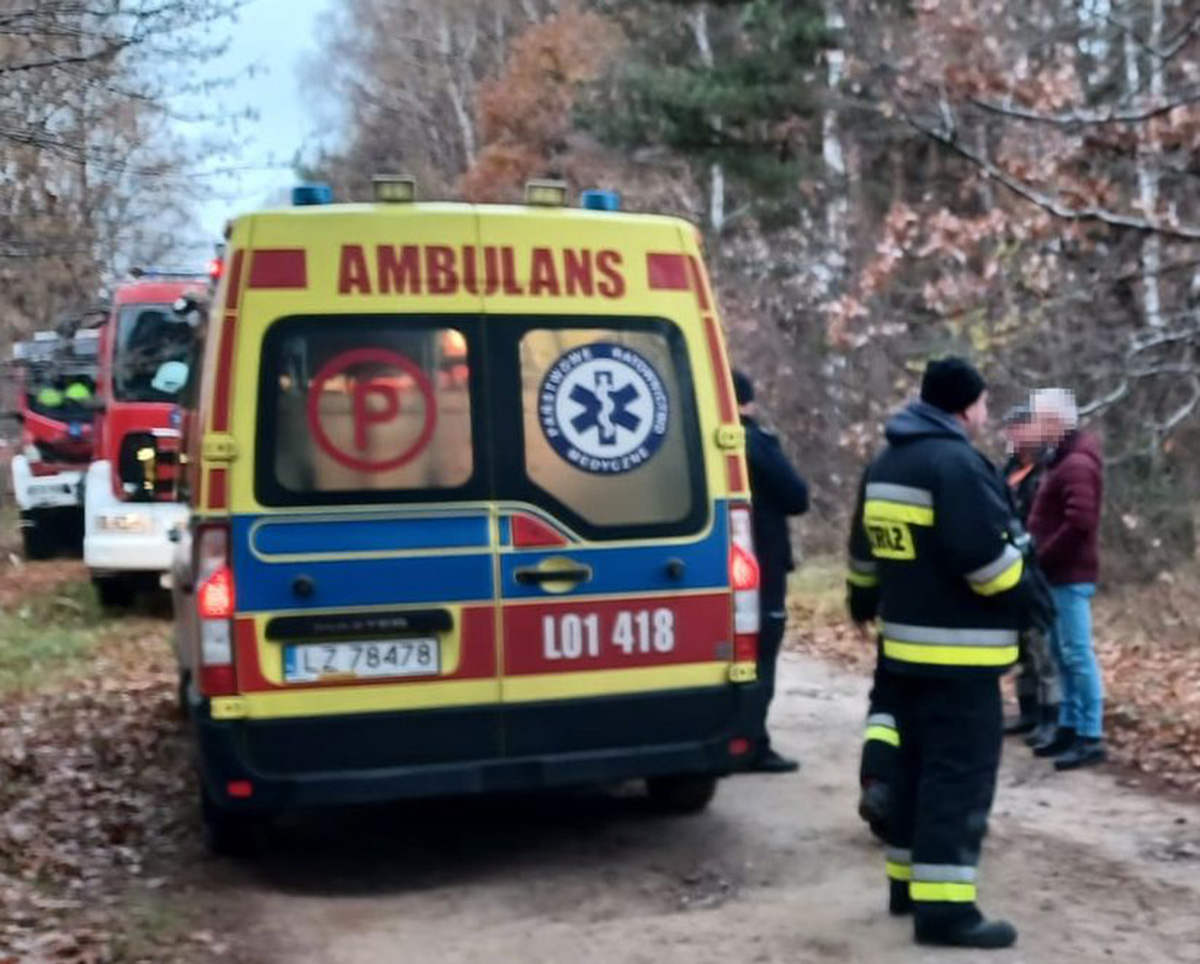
576, 634
720, 370
278, 268
667, 272
218, 488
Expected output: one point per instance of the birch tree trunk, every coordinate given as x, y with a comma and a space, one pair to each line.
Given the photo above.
1148, 183
833, 152
698, 21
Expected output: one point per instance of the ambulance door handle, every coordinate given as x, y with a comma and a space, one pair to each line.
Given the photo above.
533, 576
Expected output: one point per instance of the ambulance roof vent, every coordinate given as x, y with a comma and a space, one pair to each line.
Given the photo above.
308, 195
596, 200
546, 194
394, 188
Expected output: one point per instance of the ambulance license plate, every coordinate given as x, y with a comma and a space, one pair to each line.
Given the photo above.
322, 662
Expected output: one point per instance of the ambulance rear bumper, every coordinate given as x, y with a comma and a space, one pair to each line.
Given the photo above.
291, 778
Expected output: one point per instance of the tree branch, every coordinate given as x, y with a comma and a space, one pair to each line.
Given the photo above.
1049, 202
1078, 118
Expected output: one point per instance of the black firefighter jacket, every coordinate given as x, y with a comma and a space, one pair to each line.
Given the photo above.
777, 491
931, 552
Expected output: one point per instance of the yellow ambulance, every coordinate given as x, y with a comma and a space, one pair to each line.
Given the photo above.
469, 510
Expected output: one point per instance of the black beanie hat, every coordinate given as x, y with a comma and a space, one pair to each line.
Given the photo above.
743, 388
951, 384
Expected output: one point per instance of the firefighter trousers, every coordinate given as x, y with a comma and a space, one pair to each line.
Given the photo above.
881, 741
942, 789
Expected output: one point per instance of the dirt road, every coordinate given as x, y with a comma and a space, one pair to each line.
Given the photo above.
778, 870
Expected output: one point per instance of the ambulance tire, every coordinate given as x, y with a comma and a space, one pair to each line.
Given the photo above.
114, 592
37, 537
686, 793
229, 834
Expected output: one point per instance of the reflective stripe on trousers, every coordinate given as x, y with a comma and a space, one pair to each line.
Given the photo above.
882, 727
943, 883
943, 646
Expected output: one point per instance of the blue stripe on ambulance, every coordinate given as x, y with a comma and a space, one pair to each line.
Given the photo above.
265, 586
288, 537
633, 569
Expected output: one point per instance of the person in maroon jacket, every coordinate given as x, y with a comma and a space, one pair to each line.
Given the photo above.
1065, 526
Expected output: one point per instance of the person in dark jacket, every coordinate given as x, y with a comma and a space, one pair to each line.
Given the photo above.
1037, 680
1065, 525
932, 546
778, 492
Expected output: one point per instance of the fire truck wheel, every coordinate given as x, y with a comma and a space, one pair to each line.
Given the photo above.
37, 536
114, 592
687, 793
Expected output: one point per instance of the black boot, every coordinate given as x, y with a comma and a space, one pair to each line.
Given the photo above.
1063, 740
974, 931
1026, 719
873, 807
1045, 730
1087, 751
899, 900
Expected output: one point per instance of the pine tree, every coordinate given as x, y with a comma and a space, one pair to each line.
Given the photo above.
727, 84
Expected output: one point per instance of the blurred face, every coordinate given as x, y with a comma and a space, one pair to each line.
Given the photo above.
1048, 428
1022, 437
975, 418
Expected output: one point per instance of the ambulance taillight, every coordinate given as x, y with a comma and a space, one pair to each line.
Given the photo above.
215, 604
744, 579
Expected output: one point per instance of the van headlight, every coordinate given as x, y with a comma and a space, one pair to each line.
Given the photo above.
124, 522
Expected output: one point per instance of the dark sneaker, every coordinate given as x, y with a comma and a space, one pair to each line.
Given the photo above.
772, 762
899, 901
1085, 753
1063, 740
982, 934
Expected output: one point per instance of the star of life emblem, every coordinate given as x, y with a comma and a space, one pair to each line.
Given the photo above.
604, 408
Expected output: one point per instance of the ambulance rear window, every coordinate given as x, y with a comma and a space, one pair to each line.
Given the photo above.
611, 442
365, 409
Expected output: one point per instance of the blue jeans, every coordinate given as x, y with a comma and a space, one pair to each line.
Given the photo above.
1082, 706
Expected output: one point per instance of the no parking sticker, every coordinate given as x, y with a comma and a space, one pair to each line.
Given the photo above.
376, 410
604, 408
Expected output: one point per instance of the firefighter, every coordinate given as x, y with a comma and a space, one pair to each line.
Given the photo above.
932, 554
777, 491
49, 397
78, 393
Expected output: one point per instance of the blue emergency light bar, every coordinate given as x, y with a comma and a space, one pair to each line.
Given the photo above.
309, 195
595, 200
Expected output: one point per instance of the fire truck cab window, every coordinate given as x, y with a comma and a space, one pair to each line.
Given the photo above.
153, 351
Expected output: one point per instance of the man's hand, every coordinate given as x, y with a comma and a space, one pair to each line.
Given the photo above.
866, 633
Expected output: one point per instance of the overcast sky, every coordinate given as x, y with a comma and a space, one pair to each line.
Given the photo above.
273, 37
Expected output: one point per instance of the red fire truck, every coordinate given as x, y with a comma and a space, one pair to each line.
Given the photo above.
52, 379
131, 513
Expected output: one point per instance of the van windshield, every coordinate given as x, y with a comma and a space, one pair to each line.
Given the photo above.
153, 349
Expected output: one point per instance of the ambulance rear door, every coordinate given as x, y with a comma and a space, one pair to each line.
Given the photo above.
614, 587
